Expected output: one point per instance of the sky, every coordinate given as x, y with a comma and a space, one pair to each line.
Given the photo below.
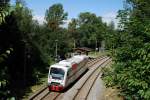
107, 9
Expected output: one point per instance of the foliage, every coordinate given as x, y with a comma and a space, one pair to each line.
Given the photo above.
18, 69
131, 56
111, 36
55, 33
32, 45
55, 16
91, 30
4, 10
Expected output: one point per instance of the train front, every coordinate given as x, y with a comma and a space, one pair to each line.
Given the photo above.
56, 78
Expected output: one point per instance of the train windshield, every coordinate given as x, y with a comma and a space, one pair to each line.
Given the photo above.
57, 73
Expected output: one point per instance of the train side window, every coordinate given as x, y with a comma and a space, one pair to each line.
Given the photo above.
68, 73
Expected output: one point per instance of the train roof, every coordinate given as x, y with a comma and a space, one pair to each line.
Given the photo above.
74, 59
65, 64
78, 58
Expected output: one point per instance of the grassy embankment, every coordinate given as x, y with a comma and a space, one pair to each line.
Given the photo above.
111, 93
42, 81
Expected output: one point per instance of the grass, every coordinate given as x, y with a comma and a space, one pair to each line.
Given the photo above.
111, 93
41, 82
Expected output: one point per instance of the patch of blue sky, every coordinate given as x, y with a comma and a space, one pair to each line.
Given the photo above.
105, 8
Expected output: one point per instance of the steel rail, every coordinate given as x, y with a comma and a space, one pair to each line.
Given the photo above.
95, 80
88, 78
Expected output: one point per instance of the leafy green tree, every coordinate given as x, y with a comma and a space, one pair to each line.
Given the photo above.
74, 33
56, 34
72, 28
111, 36
24, 60
55, 16
4, 10
91, 29
131, 70
5, 52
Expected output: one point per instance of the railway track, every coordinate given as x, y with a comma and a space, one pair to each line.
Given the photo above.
79, 91
95, 60
82, 89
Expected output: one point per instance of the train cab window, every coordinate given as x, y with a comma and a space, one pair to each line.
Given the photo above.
57, 73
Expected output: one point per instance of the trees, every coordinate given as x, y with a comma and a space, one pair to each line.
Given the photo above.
74, 34
72, 28
5, 52
31, 46
112, 37
131, 68
20, 66
55, 16
4, 9
88, 30
91, 29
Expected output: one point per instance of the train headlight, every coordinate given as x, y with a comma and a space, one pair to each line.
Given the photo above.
61, 82
50, 78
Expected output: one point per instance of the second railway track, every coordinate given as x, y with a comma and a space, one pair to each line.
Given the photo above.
85, 89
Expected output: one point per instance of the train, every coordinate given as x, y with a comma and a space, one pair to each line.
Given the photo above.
65, 72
